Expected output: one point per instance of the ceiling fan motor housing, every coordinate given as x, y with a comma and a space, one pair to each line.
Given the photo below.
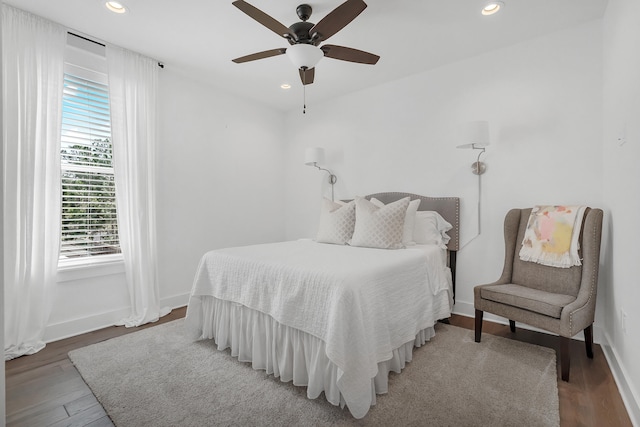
301, 31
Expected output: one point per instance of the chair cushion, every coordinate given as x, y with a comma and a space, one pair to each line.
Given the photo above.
547, 303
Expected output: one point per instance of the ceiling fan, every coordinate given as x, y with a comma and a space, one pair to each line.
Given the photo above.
304, 37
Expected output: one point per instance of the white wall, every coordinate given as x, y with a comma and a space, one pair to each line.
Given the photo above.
220, 174
620, 153
220, 183
543, 99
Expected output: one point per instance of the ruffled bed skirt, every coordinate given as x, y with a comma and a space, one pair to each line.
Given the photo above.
285, 352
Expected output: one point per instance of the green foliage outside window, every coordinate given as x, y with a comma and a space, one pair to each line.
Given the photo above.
89, 225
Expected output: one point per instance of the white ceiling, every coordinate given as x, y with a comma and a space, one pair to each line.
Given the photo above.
199, 38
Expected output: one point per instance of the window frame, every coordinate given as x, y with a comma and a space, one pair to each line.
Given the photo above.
86, 59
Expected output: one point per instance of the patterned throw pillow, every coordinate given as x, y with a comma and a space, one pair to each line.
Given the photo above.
336, 222
379, 227
409, 220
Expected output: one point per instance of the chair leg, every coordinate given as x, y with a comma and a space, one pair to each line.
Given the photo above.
588, 340
564, 358
479, 314
512, 325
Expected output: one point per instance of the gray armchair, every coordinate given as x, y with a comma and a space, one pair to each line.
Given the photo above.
559, 300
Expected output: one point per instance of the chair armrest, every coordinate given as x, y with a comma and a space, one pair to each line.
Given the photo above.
580, 314
511, 226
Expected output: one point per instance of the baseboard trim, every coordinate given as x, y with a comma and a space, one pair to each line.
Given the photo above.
630, 398
175, 301
82, 325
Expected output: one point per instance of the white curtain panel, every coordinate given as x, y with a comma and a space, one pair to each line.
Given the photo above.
32, 75
133, 82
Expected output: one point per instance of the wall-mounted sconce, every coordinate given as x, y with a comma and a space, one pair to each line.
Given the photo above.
476, 136
315, 155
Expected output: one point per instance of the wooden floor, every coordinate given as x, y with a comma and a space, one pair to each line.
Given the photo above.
45, 389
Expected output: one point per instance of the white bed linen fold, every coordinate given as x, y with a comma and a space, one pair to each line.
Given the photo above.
362, 303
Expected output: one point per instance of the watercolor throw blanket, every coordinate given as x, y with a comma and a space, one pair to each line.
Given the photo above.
551, 237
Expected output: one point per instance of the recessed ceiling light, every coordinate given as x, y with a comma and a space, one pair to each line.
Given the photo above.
285, 86
116, 6
492, 7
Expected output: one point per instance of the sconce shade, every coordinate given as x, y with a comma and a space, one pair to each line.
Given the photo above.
313, 155
475, 135
304, 55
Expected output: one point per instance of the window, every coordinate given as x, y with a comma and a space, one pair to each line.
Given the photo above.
89, 222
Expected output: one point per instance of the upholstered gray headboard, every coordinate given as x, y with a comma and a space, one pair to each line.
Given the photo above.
448, 207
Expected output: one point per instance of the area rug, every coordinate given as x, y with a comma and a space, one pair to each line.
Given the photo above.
158, 377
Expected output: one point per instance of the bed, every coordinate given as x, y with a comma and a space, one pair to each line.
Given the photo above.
334, 318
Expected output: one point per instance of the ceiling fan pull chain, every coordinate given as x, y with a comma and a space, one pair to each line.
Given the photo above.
304, 90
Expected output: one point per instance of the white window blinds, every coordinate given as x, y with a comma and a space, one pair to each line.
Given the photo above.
89, 223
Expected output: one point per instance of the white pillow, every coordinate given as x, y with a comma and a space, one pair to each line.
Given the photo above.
409, 220
337, 221
379, 227
430, 228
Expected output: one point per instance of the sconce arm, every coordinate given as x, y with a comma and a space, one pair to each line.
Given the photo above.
332, 178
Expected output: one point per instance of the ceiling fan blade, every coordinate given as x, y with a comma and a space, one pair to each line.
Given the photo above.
306, 76
263, 18
349, 54
337, 19
260, 55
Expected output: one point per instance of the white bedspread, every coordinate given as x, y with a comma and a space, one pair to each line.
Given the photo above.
363, 303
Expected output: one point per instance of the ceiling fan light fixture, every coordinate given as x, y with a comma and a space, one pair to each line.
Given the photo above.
492, 7
304, 56
116, 6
